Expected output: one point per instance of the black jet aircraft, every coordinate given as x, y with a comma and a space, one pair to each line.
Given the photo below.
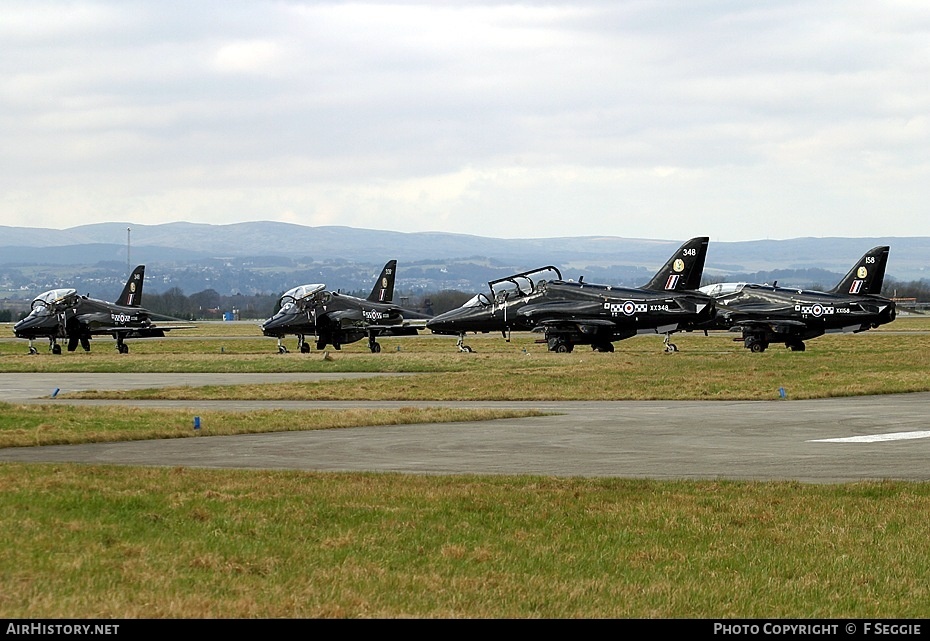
62, 313
337, 319
496, 311
577, 313
766, 314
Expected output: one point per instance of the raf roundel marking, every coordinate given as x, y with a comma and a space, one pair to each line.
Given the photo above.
817, 310
629, 308
678, 265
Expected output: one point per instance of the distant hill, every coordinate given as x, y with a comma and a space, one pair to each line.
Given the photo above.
273, 254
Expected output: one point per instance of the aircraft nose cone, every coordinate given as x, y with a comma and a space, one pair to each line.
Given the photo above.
272, 326
278, 325
443, 323
32, 324
456, 321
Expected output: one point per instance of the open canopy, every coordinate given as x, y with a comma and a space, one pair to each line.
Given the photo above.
53, 300
299, 293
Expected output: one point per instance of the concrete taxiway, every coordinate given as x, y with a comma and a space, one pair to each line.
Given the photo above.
818, 441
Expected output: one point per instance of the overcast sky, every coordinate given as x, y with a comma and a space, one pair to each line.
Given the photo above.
739, 120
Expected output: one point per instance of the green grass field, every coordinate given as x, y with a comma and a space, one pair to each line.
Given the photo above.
96, 541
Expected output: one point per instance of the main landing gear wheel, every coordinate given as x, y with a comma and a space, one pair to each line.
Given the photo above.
305, 348
375, 347
797, 346
462, 347
56, 349
122, 348
604, 347
560, 346
757, 347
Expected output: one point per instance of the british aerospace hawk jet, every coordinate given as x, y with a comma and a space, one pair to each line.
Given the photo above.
573, 313
63, 313
766, 314
496, 311
337, 319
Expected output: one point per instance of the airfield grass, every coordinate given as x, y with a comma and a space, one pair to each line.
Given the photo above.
30, 425
83, 541
114, 542
705, 368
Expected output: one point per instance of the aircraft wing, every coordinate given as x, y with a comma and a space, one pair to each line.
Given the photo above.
781, 326
419, 323
597, 322
589, 326
152, 331
166, 328
406, 328
394, 330
170, 319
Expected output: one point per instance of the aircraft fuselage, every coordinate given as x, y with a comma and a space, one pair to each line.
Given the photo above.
767, 314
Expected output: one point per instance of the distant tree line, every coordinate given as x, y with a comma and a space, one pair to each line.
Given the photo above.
211, 305
917, 289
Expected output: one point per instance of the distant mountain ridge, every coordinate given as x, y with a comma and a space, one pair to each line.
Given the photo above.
174, 243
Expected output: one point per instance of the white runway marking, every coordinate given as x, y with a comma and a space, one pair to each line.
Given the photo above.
874, 438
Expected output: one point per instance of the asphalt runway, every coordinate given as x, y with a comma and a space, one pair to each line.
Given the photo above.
820, 441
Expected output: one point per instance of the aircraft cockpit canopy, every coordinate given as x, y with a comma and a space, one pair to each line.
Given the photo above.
722, 289
300, 294
53, 301
478, 300
522, 284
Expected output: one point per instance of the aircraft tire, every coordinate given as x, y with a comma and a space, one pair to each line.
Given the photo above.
563, 348
671, 347
757, 347
375, 348
796, 347
305, 348
282, 349
56, 349
33, 350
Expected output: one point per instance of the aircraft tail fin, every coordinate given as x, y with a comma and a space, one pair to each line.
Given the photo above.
132, 292
867, 275
383, 291
684, 269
